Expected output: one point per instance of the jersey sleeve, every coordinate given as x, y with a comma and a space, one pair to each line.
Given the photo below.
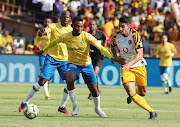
113, 42
37, 39
137, 39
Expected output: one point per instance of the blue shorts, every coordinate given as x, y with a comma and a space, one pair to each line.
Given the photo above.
41, 61
50, 65
164, 69
87, 72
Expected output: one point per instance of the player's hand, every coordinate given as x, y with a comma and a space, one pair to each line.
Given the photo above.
112, 60
126, 67
42, 32
39, 52
120, 60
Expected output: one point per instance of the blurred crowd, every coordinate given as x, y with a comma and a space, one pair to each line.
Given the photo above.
150, 18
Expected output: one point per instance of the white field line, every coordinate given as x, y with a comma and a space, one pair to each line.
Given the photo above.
110, 109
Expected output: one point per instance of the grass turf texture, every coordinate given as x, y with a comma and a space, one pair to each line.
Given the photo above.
113, 103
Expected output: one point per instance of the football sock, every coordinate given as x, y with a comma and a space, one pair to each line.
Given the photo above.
164, 82
65, 97
97, 102
169, 82
142, 103
72, 95
32, 92
46, 88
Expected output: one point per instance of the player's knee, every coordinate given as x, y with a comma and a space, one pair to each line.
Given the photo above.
42, 81
70, 80
142, 92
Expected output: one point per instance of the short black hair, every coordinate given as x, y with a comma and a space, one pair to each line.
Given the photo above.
125, 19
76, 18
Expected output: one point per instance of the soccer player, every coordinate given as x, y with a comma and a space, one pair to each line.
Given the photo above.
55, 59
78, 44
132, 63
41, 43
95, 54
166, 51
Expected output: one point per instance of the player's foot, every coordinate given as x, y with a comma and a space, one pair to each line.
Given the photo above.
100, 113
22, 107
47, 96
63, 110
75, 110
165, 92
90, 96
153, 115
129, 100
170, 89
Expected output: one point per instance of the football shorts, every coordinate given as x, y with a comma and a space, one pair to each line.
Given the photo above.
135, 74
87, 72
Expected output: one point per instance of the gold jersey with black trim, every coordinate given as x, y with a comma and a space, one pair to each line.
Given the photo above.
128, 45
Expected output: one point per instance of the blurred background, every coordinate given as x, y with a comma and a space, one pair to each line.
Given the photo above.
20, 20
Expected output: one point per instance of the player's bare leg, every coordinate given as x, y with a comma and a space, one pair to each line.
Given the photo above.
130, 89
96, 98
70, 79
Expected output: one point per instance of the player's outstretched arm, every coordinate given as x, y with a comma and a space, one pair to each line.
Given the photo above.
103, 50
51, 44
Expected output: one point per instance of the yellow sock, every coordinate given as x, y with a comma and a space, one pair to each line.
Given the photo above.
142, 103
137, 90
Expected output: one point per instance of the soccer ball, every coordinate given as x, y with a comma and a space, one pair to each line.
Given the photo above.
31, 111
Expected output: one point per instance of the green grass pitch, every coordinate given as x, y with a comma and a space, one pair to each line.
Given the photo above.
113, 103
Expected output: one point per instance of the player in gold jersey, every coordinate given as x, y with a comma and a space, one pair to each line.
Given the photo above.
165, 51
132, 64
56, 58
79, 61
41, 43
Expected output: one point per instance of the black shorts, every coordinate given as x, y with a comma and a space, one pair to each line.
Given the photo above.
97, 61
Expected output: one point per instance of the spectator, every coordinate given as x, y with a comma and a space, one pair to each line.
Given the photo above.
110, 13
73, 6
99, 19
106, 7
149, 9
158, 29
172, 31
8, 38
47, 8
58, 8
29, 49
108, 27
135, 17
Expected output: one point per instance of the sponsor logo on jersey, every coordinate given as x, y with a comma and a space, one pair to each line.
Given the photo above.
130, 42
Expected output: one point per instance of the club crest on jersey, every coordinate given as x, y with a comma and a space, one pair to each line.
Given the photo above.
130, 42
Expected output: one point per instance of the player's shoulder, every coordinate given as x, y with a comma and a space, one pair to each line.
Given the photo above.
115, 34
133, 31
